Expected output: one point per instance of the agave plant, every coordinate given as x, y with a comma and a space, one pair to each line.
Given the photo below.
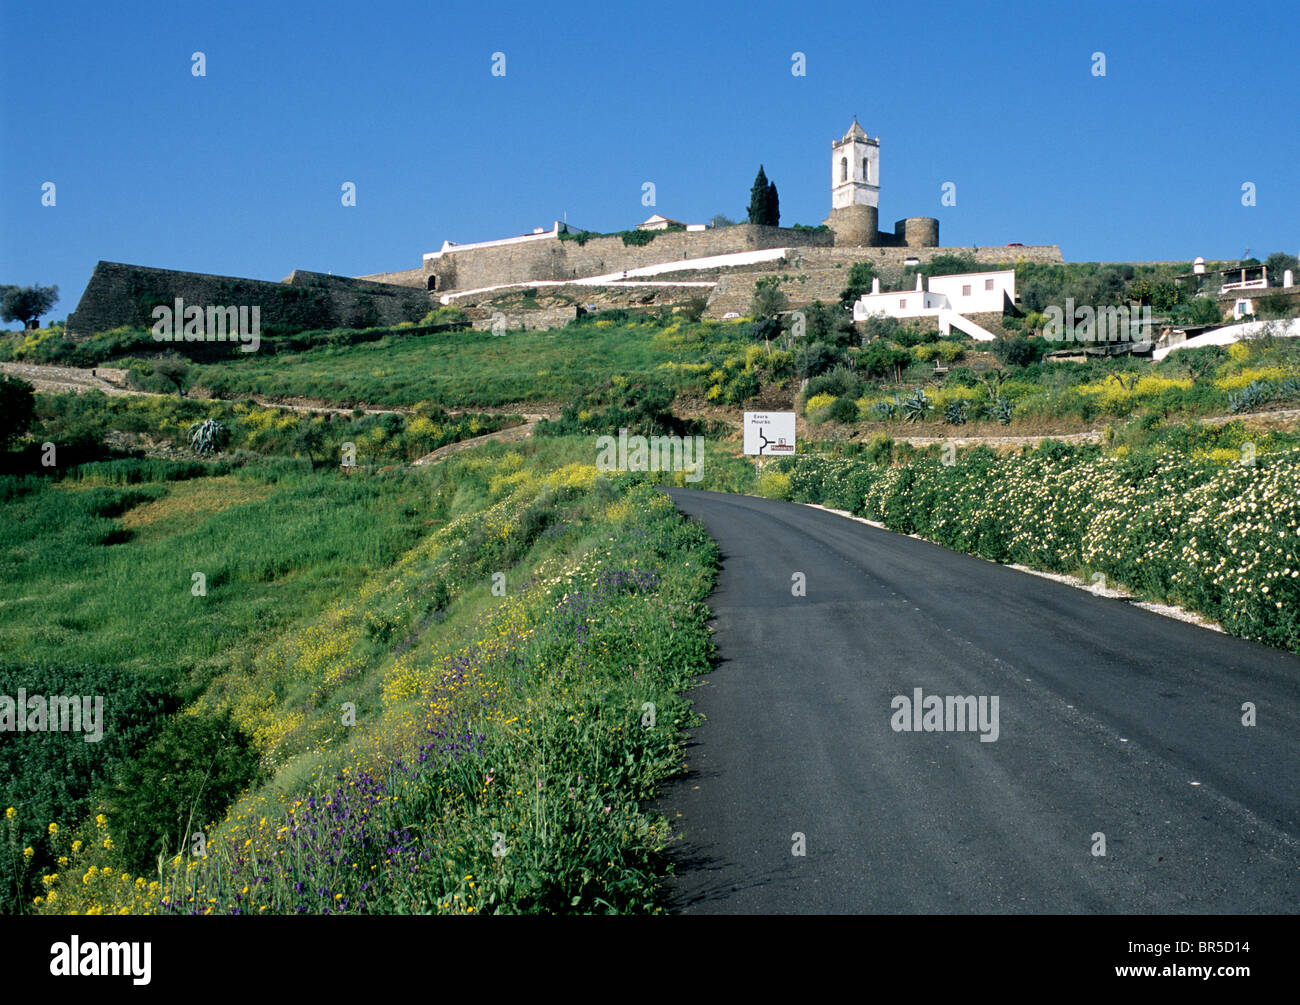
915, 406
999, 409
886, 409
954, 413
1254, 394
207, 437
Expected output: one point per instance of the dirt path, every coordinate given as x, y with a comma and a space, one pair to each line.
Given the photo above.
58, 379
511, 435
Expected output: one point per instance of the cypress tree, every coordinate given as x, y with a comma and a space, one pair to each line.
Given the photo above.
760, 196
773, 216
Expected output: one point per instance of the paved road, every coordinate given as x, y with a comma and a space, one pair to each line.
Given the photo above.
1112, 720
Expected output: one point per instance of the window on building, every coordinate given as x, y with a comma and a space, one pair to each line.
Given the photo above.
866, 169
988, 284
965, 290
902, 303
433, 282
844, 169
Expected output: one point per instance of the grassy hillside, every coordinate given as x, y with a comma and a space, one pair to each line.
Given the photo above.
471, 369
485, 749
453, 689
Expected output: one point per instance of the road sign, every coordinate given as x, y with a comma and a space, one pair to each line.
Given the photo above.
769, 434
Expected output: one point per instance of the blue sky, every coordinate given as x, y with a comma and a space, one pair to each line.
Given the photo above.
240, 172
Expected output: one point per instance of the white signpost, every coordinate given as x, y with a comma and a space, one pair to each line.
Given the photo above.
769, 434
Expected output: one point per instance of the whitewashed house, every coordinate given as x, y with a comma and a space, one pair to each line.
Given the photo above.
948, 300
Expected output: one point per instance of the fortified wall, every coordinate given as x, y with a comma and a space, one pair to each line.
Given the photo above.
548, 257
121, 295
823, 273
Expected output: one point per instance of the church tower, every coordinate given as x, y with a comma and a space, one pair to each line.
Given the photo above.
855, 188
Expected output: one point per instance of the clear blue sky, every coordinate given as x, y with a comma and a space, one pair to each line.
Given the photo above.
239, 172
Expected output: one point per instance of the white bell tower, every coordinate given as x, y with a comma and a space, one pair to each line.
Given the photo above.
855, 170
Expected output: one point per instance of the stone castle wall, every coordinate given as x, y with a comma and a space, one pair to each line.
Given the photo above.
120, 295
559, 260
823, 273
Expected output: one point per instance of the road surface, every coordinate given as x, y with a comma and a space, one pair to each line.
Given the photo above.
1112, 721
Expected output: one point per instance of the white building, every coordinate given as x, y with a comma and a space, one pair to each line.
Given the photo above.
948, 300
972, 293
658, 222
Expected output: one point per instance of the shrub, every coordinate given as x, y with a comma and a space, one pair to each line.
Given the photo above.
769, 299
641, 407
694, 309
859, 282
843, 409
178, 786
881, 326
56, 776
950, 352
815, 358
914, 335
17, 407
1017, 351
818, 401
880, 359
829, 323
840, 382
447, 315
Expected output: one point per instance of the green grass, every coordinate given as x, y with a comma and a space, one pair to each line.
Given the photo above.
324, 588
475, 369
66, 419
102, 574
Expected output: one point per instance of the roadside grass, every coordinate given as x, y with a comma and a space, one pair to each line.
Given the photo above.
502, 745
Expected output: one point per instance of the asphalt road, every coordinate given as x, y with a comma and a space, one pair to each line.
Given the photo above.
1111, 720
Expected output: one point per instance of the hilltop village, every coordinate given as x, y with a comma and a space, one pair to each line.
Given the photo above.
661, 262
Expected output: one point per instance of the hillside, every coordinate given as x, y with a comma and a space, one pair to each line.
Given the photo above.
400, 643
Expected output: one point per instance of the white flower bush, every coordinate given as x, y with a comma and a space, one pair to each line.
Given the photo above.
1221, 539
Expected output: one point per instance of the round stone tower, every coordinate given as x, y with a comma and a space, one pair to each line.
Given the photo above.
918, 231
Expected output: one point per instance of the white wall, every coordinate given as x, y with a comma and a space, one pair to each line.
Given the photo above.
946, 293
987, 290
900, 304
857, 190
